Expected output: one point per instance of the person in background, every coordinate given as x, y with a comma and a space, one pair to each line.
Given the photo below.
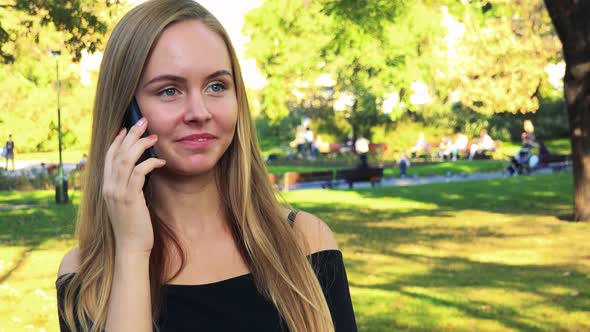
484, 144
299, 141
361, 147
445, 148
9, 151
544, 154
459, 145
204, 244
421, 146
309, 143
404, 163
528, 135
83, 162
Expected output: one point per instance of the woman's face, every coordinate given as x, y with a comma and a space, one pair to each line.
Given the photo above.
187, 94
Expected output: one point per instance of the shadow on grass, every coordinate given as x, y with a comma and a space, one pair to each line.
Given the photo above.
465, 274
369, 226
530, 195
31, 227
539, 195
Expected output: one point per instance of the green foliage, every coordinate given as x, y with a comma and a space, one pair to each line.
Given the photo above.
28, 88
83, 22
373, 48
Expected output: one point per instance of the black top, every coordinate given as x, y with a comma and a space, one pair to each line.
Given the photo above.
236, 305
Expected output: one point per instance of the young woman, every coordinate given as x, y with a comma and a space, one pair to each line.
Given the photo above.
202, 244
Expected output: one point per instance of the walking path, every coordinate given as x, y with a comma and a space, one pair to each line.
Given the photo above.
418, 180
24, 167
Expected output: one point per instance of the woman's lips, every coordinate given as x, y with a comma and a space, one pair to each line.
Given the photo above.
197, 143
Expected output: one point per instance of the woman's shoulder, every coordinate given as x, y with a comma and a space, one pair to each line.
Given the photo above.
69, 263
313, 233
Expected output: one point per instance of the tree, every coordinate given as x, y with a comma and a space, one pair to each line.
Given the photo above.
83, 21
377, 48
28, 94
497, 55
355, 43
570, 18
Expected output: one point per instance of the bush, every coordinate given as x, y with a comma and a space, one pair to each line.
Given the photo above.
31, 180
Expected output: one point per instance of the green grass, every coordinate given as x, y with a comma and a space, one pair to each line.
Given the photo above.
559, 146
51, 157
477, 256
472, 256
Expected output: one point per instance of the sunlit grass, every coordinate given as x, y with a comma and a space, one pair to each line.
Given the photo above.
482, 256
471, 256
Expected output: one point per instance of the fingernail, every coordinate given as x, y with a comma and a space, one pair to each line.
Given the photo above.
141, 122
121, 132
153, 137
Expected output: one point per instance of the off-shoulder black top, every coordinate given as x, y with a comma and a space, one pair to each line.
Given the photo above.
236, 305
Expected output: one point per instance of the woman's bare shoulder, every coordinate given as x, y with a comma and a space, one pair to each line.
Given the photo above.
70, 263
315, 232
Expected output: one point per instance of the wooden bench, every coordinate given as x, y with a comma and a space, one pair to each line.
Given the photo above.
350, 176
290, 179
377, 147
556, 162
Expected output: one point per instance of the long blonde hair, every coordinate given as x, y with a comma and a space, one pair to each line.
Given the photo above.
278, 264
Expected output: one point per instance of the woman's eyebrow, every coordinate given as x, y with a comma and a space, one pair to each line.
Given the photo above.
218, 73
179, 79
167, 78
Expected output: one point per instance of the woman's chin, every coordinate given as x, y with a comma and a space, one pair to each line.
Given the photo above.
189, 169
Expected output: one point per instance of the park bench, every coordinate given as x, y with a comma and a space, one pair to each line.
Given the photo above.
556, 162
350, 176
377, 147
340, 148
290, 179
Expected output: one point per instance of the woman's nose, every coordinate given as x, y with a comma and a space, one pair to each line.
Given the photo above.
196, 109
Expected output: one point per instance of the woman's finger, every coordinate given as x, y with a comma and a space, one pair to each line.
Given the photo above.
123, 160
134, 134
137, 178
115, 145
129, 160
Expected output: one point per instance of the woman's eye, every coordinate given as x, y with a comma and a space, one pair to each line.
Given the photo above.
216, 87
168, 92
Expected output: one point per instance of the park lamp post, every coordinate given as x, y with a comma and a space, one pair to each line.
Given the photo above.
61, 182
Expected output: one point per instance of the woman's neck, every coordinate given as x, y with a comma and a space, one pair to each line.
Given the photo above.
190, 205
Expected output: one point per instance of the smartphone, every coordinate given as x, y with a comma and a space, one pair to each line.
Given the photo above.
131, 117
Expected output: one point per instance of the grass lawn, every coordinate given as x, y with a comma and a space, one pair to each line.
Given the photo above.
68, 156
471, 256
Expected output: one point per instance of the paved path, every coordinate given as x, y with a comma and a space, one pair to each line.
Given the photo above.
32, 167
21, 206
417, 180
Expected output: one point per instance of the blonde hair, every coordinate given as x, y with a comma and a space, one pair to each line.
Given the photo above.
278, 264
528, 126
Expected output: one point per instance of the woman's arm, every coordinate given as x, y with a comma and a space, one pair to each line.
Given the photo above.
129, 307
130, 301
321, 246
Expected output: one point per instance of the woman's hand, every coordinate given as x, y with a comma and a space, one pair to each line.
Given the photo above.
123, 189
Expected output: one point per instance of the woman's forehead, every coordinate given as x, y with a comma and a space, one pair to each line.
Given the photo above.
188, 47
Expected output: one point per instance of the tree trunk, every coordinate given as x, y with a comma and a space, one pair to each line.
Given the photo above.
354, 124
570, 18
